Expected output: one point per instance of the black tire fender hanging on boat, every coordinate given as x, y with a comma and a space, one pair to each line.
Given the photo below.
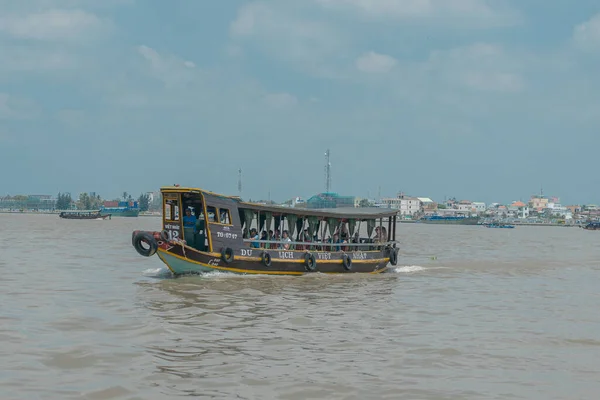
266, 259
346, 262
393, 255
227, 254
309, 262
148, 238
133, 234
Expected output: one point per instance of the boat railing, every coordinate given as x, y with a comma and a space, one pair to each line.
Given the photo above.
365, 243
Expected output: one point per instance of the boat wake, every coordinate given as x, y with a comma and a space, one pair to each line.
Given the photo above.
159, 273
165, 273
407, 269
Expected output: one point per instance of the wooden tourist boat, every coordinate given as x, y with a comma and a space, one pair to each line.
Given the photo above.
218, 237
83, 214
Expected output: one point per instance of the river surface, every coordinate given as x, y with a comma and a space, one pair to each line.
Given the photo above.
469, 313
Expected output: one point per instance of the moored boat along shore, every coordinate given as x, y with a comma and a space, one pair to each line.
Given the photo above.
403, 221
57, 212
564, 225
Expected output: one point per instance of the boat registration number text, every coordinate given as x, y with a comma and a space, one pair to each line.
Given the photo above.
227, 235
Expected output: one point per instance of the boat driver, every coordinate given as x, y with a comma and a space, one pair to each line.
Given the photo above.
188, 219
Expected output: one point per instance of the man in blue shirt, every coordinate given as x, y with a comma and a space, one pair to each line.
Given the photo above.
189, 220
254, 235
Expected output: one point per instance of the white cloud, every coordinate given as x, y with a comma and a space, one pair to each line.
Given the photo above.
281, 100
24, 59
72, 118
280, 31
481, 66
172, 71
471, 12
54, 25
372, 62
15, 108
587, 35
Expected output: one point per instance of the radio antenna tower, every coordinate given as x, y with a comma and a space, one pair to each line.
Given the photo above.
327, 172
240, 182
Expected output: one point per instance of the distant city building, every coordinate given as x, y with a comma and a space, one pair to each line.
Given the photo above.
298, 202
478, 206
574, 209
330, 200
464, 206
40, 202
406, 205
153, 196
538, 202
519, 209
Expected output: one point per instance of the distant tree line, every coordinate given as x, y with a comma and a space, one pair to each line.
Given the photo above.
63, 201
85, 201
88, 202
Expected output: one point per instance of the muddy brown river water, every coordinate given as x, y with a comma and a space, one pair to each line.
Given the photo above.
469, 313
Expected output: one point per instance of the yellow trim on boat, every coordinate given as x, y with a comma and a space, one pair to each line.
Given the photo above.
165, 261
239, 270
247, 271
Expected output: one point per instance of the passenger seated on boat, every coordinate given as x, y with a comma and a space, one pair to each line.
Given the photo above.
304, 237
335, 239
285, 239
376, 239
224, 217
263, 236
270, 237
188, 219
277, 238
254, 234
344, 235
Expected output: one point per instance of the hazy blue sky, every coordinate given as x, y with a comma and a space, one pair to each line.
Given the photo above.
482, 100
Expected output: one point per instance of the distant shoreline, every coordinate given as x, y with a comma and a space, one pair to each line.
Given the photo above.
29, 212
512, 223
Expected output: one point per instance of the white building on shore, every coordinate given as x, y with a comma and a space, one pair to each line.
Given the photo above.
407, 205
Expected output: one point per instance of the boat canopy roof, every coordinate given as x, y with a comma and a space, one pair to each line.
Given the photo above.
359, 213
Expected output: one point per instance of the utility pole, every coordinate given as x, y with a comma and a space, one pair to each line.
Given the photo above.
327, 172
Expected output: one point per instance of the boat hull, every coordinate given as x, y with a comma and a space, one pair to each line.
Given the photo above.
120, 213
184, 260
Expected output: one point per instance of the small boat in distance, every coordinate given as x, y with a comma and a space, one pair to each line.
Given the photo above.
204, 231
498, 225
120, 208
592, 226
449, 219
83, 214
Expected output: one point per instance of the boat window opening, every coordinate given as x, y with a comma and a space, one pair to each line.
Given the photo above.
171, 209
212, 212
194, 230
224, 216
